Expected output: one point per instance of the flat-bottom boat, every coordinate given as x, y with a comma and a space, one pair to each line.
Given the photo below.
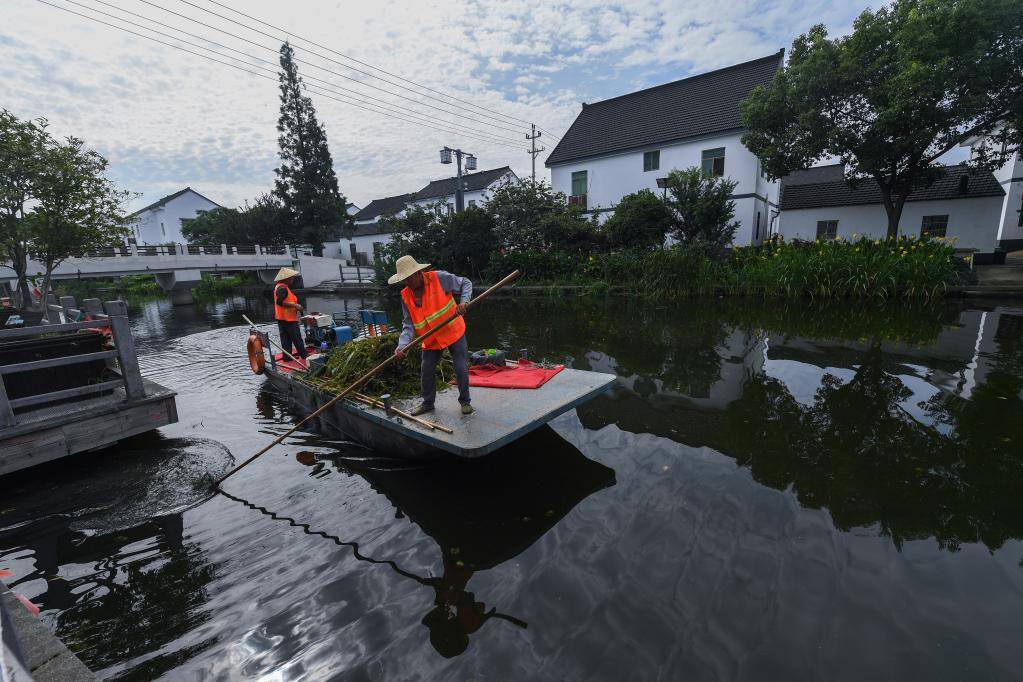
502, 415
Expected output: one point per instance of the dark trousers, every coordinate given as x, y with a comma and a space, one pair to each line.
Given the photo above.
460, 354
291, 335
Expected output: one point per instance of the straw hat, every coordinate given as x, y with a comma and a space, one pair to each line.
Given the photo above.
285, 273
406, 265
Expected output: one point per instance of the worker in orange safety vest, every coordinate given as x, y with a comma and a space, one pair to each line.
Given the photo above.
428, 299
286, 311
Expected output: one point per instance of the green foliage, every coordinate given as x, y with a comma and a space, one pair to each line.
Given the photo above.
351, 361
861, 268
72, 207
532, 216
701, 209
914, 80
211, 286
134, 286
265, 222
640, 221
460, 242
306, 183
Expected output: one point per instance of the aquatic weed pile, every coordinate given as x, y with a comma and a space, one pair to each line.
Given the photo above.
349, 362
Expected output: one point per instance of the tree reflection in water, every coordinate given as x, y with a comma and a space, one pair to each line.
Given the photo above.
867, 447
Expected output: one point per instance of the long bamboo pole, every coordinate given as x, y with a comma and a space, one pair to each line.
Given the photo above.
369, 375
422, 422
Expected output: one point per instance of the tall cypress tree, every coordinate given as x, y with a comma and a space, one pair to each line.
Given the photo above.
306, 183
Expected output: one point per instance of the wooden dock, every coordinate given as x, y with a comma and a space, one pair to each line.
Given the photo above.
44, 426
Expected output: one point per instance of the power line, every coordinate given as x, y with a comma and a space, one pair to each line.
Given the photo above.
329, 59
271, 78
357, 61
411, 112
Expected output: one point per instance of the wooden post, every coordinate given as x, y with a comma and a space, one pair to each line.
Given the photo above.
67, 303
6, 411
341, 267
125, 345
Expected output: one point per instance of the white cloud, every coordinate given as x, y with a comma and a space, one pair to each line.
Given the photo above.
167, 119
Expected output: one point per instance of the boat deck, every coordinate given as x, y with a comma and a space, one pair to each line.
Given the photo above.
501, 416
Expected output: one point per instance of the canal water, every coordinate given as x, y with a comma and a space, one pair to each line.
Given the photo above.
771, 491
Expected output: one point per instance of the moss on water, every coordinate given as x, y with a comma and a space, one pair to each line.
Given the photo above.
351, 361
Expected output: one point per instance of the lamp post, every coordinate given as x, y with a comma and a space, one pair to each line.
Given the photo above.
470, 164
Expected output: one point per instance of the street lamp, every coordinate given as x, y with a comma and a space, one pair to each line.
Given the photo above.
470, 164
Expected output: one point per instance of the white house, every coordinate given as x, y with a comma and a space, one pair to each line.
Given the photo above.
160, 222
1010, 177
964, 204
625, 144
475, 187
371, 234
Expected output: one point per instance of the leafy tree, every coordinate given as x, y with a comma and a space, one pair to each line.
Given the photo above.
640, 221
913, 81
459, 242
265, 222
532, 216
211, 228
22, 144
701, 209
306, 183
77, 208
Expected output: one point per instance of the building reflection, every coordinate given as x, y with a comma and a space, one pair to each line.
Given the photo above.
481, 513
907, 421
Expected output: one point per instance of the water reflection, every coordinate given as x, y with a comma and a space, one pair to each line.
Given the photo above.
479, 513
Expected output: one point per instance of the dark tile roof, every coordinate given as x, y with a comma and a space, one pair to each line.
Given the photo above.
171, 197
385, 206
811, 176
840, 193
699, 105
471, 182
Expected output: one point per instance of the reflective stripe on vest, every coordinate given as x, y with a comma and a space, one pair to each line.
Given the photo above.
437, 306
284, 313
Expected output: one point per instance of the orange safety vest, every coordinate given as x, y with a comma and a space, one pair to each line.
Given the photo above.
438, 305
283, 313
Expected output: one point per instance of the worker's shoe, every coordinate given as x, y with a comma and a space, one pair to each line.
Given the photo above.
422, 409
467, 408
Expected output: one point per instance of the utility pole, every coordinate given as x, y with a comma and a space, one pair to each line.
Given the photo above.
533, 150
470, 164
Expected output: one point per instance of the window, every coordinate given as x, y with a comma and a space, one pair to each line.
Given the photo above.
472, 203
933, 226
651, 160
579, 186
451, 209
1020, 214
163, 230
714, 162
578, 183
758, 226
827, 229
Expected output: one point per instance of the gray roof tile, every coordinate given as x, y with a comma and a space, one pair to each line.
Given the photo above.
699, 105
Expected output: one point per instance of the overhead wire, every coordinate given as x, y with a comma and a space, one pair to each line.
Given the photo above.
446, 110
411, 112
316, 89
366, 64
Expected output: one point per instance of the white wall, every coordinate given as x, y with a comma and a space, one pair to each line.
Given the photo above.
612, 177
162, 225
1010, 176
479, 196
973, 221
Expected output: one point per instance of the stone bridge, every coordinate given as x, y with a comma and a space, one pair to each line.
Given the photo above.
178, 268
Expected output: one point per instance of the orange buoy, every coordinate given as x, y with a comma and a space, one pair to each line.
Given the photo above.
257, 361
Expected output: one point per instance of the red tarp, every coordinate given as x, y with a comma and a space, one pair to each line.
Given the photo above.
523, 375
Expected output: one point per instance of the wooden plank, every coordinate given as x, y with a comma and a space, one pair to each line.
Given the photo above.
32, 449
124, 344
67, 393
56, 362
22, 332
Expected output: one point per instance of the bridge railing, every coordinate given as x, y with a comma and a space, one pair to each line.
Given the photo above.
191, 250
65, 317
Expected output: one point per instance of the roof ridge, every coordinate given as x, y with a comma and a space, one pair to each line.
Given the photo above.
776, 55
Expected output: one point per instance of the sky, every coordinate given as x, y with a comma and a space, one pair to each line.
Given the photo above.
166, 119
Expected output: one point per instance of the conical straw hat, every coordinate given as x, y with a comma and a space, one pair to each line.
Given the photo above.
406, 265
285, 273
